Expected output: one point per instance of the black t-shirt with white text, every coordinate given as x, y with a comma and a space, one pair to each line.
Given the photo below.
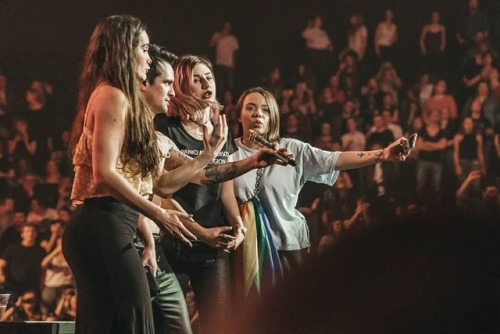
202, 201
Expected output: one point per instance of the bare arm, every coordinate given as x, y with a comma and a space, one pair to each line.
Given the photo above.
496, 141
456, 148
213, 41
218, 173
144, 233
480, 154
364, 42
228, 199
8, 314
443, 38
46, 260
422, 39
3, 264
463, 187
108, 114
376, 40
352, 159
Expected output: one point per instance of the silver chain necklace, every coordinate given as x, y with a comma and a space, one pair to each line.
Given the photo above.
260, 172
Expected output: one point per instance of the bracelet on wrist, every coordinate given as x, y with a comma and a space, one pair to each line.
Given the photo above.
242, 228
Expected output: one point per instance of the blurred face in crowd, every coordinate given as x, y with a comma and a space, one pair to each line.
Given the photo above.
482, 89
388, 100
337, 227
351, 124
64, 215
475, 107
389, 15
378, 121
28, 301
326, 129
317, 22
434, 117
18, 219
445, 113
435, 17
417, 123
226, 29
8, 205
491, 193
440, 87
28, 235
468, 125
473, 4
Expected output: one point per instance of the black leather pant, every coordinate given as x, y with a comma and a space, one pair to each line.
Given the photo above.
169, 307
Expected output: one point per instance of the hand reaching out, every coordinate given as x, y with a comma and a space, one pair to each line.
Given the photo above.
170, 220
215, 142
399, 150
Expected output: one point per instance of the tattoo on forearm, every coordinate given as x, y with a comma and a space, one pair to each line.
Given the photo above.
379, 156
221, 173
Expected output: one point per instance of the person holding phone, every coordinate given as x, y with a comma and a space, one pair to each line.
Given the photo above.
270, 195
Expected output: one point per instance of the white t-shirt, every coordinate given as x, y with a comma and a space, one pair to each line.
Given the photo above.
353, 141
280, 186
316, 38
357, 41
386, 34
224, 49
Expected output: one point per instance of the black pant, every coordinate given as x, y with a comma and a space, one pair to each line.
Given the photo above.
212, 290
113, 294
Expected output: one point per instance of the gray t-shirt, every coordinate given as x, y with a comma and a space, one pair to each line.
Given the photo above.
280, 186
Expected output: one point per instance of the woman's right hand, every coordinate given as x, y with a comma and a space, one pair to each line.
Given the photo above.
218, 237
215, 142
266, 157
170, 220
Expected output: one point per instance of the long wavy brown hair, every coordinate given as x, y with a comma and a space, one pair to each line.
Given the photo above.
110, 58
184, 102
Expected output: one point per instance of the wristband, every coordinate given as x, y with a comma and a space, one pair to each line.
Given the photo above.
242, 228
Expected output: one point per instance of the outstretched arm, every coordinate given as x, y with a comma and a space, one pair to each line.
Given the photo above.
356, 159
107, 116
211, 174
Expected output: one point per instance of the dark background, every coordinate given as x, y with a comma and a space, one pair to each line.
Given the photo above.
47, 39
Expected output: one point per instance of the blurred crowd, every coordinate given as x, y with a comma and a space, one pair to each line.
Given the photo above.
339, 98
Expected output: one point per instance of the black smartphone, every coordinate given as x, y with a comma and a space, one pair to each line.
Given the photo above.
154, 290
412, 140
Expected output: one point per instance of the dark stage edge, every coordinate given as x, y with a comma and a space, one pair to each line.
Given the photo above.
37, 327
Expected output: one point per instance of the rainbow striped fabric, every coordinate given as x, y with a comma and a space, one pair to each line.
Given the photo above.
261, 264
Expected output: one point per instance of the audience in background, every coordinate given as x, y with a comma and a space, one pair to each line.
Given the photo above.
362, 102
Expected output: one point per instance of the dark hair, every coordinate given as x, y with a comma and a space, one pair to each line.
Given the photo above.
25, 225
158, 55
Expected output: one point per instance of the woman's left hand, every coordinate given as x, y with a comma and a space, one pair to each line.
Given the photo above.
399, 150
148, 258
238, 239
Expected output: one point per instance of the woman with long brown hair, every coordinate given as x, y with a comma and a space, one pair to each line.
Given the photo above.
116, 158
